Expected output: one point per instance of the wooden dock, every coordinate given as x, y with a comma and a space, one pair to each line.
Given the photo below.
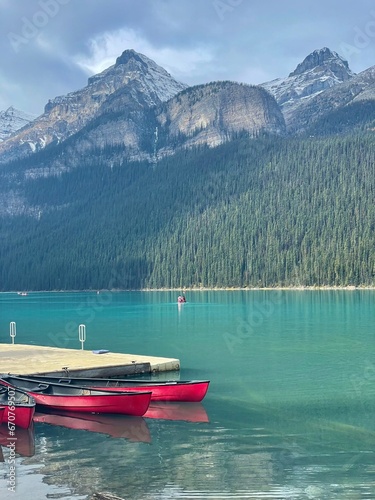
32, 360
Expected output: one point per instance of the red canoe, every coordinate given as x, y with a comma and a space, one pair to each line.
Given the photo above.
60, 396
191, 391
19, 407
2, 410
134, 429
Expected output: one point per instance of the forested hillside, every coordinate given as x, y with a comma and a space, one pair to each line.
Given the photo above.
357, 116
260, 212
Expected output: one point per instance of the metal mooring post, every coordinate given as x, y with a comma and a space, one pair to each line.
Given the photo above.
12, 328
82, 334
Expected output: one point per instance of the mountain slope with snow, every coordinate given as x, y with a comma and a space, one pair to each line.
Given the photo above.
360, 88
65, 115
12, 120
319, 71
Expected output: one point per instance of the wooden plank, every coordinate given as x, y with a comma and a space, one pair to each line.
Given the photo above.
32, 360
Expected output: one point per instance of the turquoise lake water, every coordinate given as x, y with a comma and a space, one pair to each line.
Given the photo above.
290, 409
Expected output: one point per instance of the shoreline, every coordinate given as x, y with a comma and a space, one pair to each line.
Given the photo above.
251, 289
206, 289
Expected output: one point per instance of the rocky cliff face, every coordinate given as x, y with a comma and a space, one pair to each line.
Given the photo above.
210, 114
126, 119
66, 115
207, 114
319, 71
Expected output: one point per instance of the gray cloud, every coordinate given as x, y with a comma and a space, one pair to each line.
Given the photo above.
49, 47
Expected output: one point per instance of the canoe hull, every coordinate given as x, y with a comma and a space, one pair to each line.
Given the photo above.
119, 403
19, 407
21, 416
64, 397
190, 391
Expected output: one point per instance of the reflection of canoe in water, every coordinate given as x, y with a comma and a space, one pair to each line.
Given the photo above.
188, 412
127, 427
23, 439
117, 426
2, 410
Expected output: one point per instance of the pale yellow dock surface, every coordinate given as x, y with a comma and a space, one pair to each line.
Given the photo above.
31, 360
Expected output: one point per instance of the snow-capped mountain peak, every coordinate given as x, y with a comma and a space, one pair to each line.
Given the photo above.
324, 57
319, 71
132, 65
133, 77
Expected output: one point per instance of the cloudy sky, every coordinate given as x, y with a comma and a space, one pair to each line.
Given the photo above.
51, 47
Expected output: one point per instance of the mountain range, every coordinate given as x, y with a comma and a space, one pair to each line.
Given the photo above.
136, 104
138, 180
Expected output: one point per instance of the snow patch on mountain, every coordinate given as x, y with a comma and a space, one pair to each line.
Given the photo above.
12, 120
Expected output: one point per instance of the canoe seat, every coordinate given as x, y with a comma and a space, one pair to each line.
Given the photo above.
45, 388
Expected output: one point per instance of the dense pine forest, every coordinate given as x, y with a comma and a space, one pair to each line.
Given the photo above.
259, 212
